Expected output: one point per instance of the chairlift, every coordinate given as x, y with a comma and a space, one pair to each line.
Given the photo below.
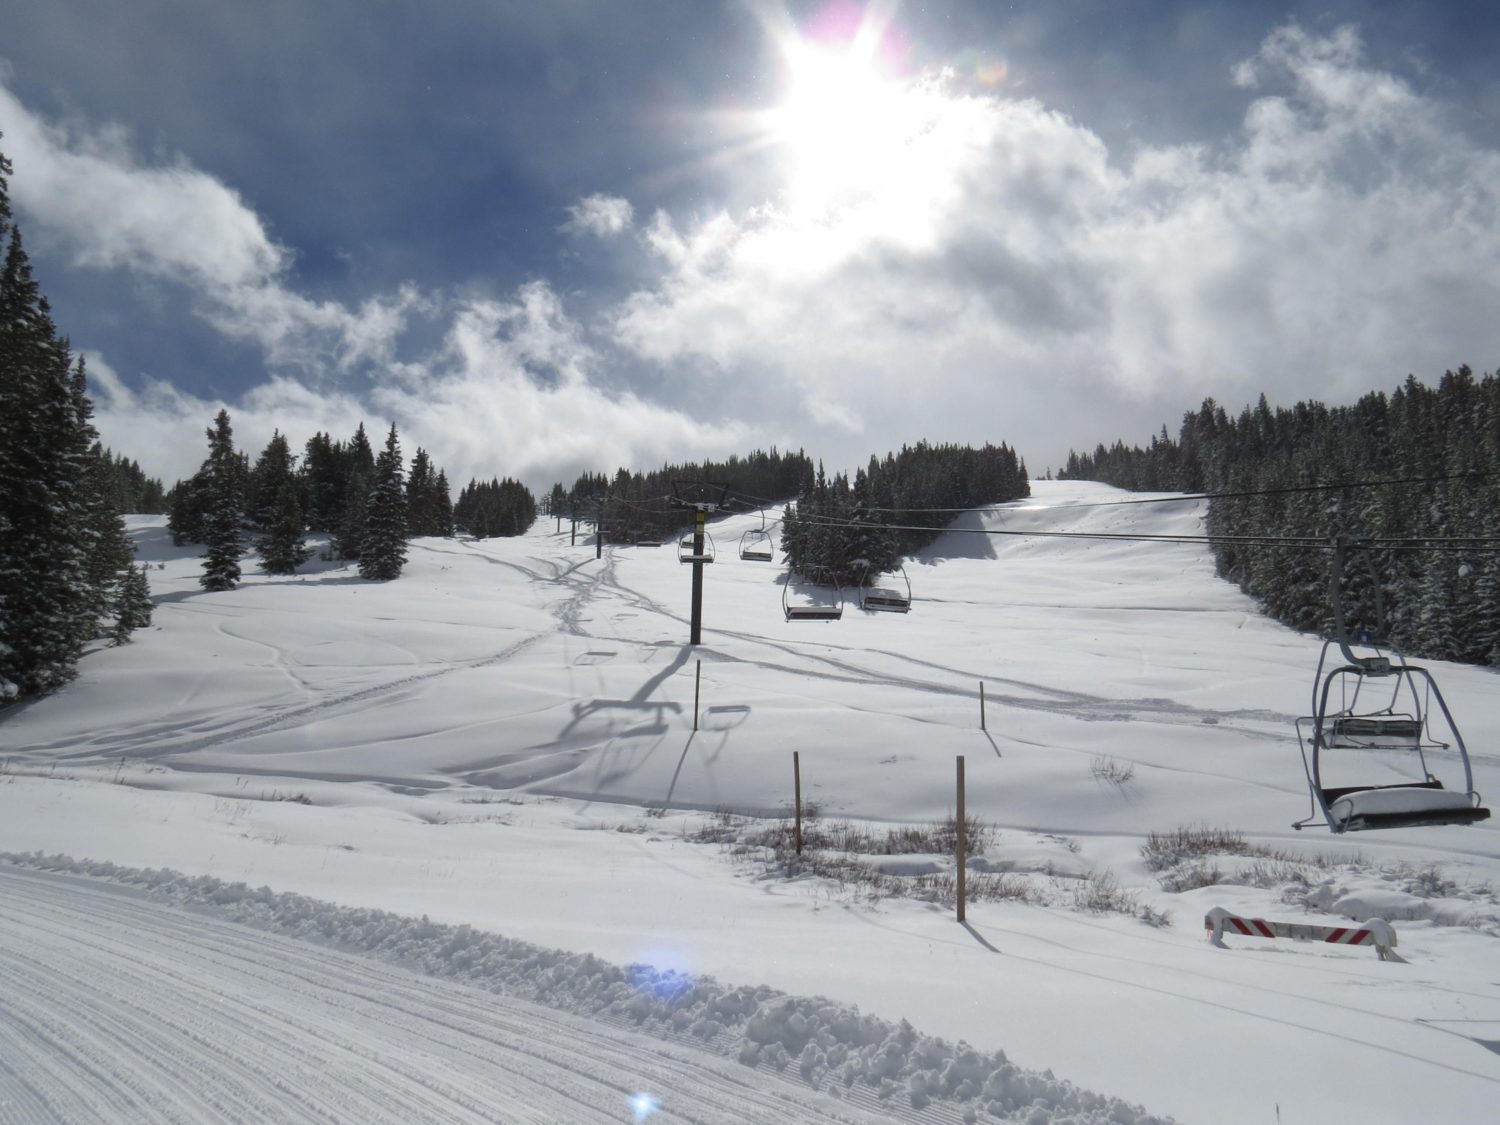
1383, 710
757, 545
815, 602
891, 593
688, 550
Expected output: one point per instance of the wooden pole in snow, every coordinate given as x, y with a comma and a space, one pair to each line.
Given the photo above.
962, 843
797, 795
981, 706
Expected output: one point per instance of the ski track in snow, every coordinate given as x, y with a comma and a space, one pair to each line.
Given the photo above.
121, 1008
173, 1014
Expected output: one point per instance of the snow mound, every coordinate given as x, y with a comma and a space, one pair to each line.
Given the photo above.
830, 1046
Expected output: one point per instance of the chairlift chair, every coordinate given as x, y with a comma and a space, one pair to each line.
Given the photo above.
689, 552
893, 595
814, 609
1397, 723
757, 545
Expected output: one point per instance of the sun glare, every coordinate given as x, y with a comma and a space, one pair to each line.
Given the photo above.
840, 122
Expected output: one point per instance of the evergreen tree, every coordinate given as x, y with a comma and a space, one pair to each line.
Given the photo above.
442, 503
186, 510
324, 481
111, 554
421, 515
48, 611
283, 548
383, 552
349, 537
273, 472
133, 609
225, 508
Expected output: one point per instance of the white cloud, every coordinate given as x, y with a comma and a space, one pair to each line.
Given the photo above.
511, 391
603, 215
173, 221
1010, 277
1004, 277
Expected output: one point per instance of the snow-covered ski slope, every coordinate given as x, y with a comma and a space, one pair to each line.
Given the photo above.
493, 739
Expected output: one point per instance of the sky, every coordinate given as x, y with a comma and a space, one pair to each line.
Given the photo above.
544, 239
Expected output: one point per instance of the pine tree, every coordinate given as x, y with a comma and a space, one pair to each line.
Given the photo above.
349, 537
442, 502
225, 500
133, 606
419, 498
273, 471
283, 548
47, 610
383, 552
111, 553
324, 479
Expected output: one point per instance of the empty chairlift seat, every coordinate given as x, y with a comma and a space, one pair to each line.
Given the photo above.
889, 593
1421, 740
1359, 732
809, 601
757, 546
688, 552
1401, 806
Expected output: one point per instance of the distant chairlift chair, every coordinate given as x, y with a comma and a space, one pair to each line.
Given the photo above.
1395, 724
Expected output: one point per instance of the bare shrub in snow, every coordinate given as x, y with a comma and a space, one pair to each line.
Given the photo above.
1167, 849
1191, 876
1112, 770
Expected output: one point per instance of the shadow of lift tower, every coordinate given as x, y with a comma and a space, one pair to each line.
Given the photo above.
703, 499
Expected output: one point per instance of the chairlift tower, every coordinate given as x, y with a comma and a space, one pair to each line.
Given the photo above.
703, 500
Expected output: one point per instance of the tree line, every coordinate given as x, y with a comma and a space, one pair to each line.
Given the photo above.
636, 505
1441, 597
67, 571
846, 532
366, 503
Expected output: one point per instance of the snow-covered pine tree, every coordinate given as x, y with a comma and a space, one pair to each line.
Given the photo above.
283, 547
383, 552
273, 471
420, 515
225, 508
442, 504
323, 482
46, 606
133, 605
111, 553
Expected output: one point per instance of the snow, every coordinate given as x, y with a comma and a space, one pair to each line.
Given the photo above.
1406, 798
504, 739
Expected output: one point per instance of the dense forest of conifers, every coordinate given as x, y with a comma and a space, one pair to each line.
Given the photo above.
1441, 591
847, 532
836, 530
637, 506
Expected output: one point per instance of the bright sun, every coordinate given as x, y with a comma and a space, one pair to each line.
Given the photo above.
841, 123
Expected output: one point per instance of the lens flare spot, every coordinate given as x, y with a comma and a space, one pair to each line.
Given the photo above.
643, 1106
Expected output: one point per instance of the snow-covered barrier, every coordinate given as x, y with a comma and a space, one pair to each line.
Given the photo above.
831, 1046
1376, 932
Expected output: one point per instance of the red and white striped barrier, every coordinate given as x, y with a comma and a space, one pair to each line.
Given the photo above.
1376, 932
